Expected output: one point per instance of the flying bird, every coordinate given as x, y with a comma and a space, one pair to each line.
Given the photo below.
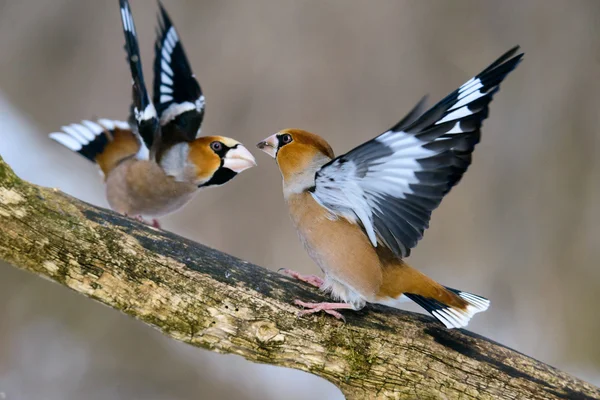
156, 162
359, 215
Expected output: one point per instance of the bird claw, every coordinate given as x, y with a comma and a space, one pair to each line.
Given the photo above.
310, 279
154, 223
329, 308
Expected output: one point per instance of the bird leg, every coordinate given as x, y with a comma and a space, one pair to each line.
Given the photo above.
310, 279
154, 223
329, 308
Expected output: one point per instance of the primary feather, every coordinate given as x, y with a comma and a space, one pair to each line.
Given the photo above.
392, 183
177, 94
144, 113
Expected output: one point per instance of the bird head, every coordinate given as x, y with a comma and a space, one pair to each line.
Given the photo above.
215, 160
296, 151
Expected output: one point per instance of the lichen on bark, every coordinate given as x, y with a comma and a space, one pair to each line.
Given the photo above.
215, 301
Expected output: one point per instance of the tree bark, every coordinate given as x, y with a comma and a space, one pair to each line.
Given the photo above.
215, 301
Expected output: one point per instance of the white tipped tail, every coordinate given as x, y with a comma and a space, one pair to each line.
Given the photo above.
449, 316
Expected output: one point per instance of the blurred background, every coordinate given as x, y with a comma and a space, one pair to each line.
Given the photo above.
522, 228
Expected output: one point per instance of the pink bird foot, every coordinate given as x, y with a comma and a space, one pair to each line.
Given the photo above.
310, 279
329, 308
154, 223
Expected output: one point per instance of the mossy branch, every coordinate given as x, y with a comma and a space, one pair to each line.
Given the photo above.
215, 301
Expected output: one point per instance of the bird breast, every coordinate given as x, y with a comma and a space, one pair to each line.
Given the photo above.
140, 187
338, 247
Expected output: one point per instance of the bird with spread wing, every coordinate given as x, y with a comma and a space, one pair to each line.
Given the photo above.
155, 163
360, 214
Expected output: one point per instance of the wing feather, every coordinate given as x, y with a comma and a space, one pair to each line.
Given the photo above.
177, 94
392, 183
142, 110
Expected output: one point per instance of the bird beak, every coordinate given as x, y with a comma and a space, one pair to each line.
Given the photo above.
269, 145
239, 159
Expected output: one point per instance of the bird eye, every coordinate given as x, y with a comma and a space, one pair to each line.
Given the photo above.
216, 146
287, 138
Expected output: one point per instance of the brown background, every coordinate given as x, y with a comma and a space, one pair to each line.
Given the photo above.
522, 228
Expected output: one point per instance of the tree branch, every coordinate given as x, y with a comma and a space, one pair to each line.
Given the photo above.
212, 300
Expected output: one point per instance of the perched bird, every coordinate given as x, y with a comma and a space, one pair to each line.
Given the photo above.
155, 163
359, 214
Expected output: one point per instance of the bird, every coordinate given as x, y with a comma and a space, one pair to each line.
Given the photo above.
156, 161
359, 215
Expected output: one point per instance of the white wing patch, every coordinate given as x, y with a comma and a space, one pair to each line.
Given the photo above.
127, 19
166, 76
391, 175
176, 91
166, 79
77, 137
177, 109
66, 140
147, 114
392, 183
457, 114
111, 124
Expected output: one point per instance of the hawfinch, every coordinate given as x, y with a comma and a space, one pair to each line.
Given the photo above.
156, 162
359, 214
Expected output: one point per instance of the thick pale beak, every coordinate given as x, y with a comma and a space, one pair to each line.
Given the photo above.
269, 145
239, 159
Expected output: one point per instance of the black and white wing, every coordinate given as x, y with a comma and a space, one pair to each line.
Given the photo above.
391, 184
177, 95
143, 110
89, 138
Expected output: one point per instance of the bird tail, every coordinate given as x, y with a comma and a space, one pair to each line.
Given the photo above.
450, 315
453, 308
105, 142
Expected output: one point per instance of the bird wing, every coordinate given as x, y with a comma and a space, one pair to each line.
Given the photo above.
177, 95
392, 183
143, 111
105, 142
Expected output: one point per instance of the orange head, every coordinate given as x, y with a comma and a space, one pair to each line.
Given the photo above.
297, 151
218, 159
207, 161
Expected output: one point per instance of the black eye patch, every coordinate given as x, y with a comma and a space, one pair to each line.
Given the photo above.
220, 148
222, 176
284, 139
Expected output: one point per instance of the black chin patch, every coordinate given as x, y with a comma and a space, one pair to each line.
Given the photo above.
223, 175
